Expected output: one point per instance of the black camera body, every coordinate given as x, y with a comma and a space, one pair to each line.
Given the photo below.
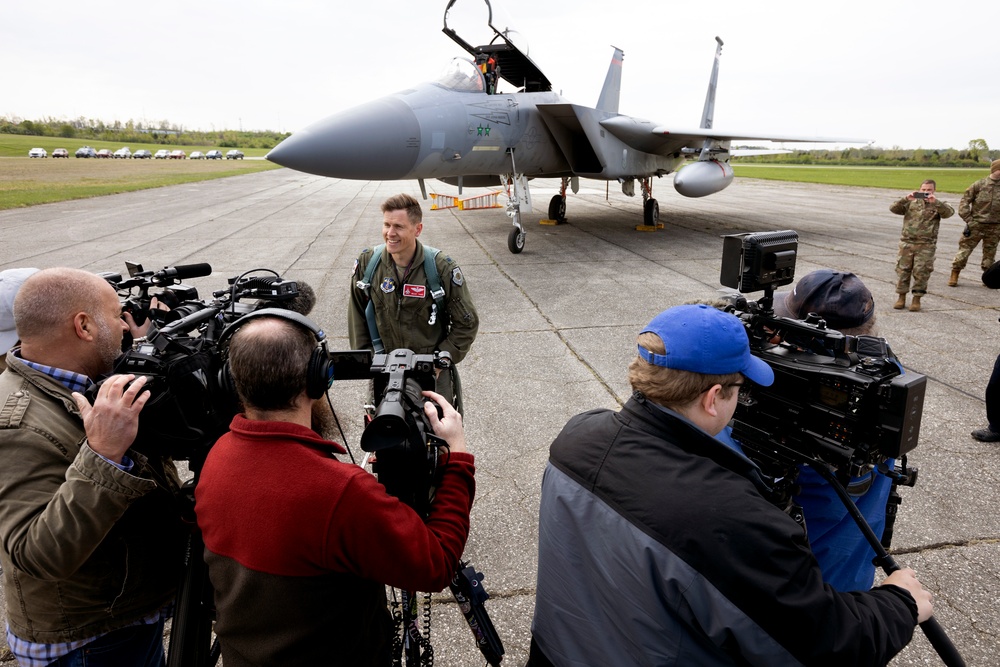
920, 195
398, 429
847, 411
190, 406
840, 400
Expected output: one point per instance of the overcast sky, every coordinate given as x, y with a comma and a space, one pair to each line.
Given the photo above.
909, 74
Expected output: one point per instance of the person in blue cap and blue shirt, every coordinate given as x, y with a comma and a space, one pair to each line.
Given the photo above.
844, 555
657, 544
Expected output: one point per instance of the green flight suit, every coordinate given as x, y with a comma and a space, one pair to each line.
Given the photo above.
406, 315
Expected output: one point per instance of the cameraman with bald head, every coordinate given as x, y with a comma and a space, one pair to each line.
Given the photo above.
90, 539
299, 545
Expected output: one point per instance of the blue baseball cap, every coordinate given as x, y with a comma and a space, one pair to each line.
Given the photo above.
703, 339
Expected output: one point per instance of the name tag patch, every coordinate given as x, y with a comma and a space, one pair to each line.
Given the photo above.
419, 291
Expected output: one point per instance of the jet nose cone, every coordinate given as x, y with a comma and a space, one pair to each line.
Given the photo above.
377, 141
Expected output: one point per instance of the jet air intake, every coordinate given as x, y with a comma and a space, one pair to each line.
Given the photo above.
703, 178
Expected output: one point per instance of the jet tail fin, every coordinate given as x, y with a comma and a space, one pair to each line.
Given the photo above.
612, 84
708, 113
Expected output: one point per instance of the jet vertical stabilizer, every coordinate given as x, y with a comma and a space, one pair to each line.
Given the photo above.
612, 89
708, 113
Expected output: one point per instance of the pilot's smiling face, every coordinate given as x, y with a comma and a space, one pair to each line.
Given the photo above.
400, 235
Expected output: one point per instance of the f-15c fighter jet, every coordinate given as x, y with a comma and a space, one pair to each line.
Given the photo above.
462, 130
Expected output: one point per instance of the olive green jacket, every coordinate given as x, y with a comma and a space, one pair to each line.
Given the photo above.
403, 311
85, 547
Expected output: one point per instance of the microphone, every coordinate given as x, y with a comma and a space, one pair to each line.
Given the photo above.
302, 303
180, 272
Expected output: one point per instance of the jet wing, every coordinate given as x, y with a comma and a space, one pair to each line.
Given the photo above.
643, 135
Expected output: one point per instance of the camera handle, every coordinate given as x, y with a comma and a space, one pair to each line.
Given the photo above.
932, 629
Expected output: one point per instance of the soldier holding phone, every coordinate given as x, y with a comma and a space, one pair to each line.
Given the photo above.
922, 213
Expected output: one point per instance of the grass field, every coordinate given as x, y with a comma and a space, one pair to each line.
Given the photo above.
29, 181
904, 179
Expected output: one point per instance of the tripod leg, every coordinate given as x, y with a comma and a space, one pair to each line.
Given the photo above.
932, 629
191, 632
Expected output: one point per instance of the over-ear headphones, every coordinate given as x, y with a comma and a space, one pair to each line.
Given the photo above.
319, 374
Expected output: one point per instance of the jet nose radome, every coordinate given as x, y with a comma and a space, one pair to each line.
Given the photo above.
379, 141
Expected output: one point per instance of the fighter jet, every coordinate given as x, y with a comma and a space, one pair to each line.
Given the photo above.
462, 130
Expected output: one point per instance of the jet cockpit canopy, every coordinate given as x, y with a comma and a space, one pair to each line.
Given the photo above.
462, 75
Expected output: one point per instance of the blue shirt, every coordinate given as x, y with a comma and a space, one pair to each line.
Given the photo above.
843, 552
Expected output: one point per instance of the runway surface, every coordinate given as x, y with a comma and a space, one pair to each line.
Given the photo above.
558, 329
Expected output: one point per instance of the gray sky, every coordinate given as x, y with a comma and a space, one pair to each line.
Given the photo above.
909, 74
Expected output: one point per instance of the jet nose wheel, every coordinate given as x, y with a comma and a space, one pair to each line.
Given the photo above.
515, 240
651, 213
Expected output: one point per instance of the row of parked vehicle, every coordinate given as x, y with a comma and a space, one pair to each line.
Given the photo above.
125, 153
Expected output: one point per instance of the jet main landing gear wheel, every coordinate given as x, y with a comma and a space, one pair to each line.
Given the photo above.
650, 213
557, 208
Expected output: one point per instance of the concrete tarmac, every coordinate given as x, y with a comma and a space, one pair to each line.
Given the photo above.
559, 323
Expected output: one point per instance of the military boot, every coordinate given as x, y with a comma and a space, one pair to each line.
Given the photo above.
900, 302
915, 304
953, 281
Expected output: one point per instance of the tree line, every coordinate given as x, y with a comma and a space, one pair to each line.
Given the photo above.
975, 155
163, 132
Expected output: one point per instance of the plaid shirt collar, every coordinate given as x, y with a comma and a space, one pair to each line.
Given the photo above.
69, 379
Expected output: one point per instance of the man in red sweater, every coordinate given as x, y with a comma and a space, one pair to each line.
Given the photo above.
299, 545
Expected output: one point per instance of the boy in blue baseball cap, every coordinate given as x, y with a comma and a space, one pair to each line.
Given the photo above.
657, 543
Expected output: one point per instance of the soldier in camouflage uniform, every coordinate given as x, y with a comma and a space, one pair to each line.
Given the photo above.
406, 315
980, 208
918, 241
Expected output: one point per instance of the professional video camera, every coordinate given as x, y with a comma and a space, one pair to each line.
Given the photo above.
399, 430
836, 399
188, 407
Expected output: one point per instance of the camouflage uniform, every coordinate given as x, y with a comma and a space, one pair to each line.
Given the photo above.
980, 208
403, 311
918, 241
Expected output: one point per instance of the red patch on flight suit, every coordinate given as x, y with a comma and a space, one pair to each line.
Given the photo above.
419, 291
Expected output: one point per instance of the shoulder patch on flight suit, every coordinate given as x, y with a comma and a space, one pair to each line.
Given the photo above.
355, 268
456, 276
